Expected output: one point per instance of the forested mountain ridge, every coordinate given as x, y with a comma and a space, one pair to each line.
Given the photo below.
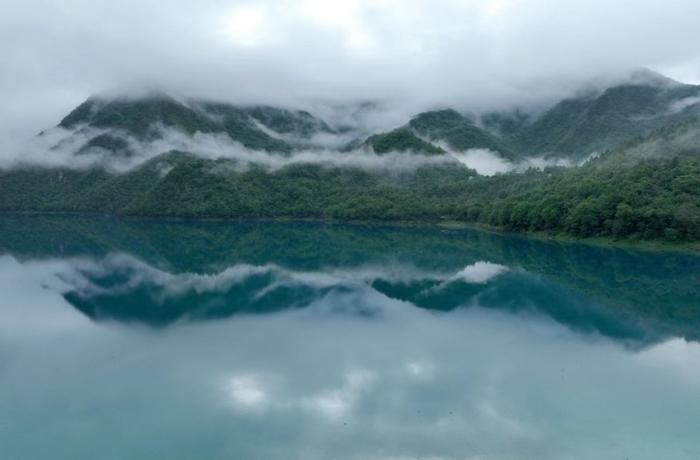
209, 159
580, 127
141, 118
572, 129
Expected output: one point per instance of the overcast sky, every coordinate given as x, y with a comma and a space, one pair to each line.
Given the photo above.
467, 53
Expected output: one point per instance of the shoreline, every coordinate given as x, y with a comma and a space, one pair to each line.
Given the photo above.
610, 242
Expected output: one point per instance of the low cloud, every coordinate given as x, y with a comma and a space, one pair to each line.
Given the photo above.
484, 161
685, 140
247, 392
77, 274
489, 163
465, 54
59, 147
683, 104
479, 273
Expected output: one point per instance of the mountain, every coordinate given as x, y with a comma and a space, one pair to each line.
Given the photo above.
581, 126
136, 117
298, 123
574, 128
131, 128
401, 140
114, 122
162, 156
457, 131
681, 140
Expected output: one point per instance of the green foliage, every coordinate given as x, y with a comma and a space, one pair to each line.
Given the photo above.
507, 125
138, 117
654, 199
81, 114
297, 123
109, 142
595, 123
657, 199
401, 140
645, 185
573, 128
458, 131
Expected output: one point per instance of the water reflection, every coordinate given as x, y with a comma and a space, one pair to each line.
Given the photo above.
157, 340
165, 273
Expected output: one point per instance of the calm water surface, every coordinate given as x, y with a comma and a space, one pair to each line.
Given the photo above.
144, 340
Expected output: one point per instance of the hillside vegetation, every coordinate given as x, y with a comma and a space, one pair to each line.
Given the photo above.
645, 182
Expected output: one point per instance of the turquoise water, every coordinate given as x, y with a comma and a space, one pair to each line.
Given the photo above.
180, 340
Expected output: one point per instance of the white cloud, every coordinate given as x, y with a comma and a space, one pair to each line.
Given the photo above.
211, 146
75, 274
245, 25
484, 161
479, 273
684, 103
58, 147
419, 370
30, 307
675, 355
338, 402
464, 53
549, 392
247, 391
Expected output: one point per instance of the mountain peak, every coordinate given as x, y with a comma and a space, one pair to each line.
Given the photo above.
135, 114
648, 77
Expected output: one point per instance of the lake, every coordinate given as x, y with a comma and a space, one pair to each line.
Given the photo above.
127, 339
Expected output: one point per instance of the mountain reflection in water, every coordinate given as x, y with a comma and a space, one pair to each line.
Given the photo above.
163, 273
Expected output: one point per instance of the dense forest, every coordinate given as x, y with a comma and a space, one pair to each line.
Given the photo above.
652, 199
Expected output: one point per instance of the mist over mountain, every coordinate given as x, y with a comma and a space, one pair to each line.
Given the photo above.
120, 132
409, 54
620, 161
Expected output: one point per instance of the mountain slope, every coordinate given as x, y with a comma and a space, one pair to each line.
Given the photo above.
574, 128
297, 123
138, 117
457, 131
579, 127
667, 143
401, 140
115, 122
